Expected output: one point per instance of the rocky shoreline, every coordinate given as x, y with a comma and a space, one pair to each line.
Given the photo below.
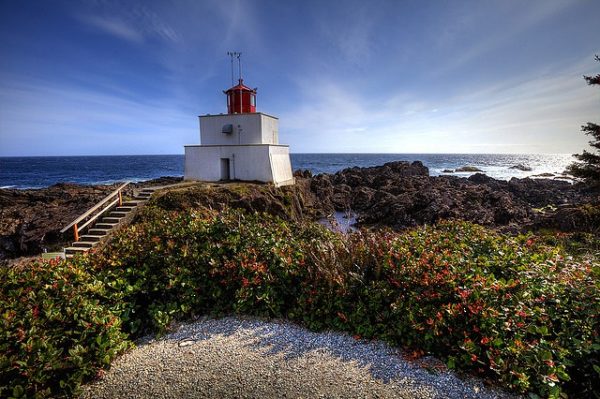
31, 220
397, 195
401, 194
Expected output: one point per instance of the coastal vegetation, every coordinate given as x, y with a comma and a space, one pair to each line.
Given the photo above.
518, 309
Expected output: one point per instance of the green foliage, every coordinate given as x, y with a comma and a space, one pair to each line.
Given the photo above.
589, 166
514, 309
54, 332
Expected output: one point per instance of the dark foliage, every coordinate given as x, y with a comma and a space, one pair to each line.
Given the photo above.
589, 166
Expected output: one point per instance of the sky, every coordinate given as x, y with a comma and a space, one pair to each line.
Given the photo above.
131, 77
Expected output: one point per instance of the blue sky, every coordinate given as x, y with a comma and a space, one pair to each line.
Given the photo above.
131, 77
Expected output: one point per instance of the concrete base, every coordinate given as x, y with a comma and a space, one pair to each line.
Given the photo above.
261, 162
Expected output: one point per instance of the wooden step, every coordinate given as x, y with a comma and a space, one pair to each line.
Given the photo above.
124, 208
132, 203
91, 237
83, 244
109, 219
75, 250
104, 226
117, 214
98, 231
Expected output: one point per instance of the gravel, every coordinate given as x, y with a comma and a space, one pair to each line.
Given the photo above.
249, 358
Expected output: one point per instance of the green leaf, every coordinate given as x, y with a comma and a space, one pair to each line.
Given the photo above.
451, 363
18, 391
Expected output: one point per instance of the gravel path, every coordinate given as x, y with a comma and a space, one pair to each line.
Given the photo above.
248, 358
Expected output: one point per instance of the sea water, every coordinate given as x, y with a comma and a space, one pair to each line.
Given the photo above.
39, 172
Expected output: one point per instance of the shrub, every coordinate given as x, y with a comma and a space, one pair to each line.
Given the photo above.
514, 309
54, 332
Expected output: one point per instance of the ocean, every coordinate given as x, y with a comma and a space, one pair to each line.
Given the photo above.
39, 172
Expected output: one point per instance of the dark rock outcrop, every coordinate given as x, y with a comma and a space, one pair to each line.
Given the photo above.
397, 195
31, 220
400, 194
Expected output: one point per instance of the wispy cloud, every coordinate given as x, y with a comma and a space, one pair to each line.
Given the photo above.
477, 33
45, 119
133, 23
523, 114
349, 29
114, 27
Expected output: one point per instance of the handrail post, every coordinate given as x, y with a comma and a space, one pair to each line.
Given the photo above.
120, 198
76, 232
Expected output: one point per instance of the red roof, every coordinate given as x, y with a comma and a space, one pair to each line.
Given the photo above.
240, 86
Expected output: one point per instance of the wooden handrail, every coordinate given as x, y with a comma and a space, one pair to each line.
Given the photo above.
96, 216
75, 222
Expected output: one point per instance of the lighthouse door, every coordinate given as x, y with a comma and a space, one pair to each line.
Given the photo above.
225, 169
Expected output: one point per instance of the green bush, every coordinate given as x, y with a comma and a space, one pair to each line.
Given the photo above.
54, 332
514, 309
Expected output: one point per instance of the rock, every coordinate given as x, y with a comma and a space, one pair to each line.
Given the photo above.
342, 196
545, 174
448, 171
468, 169
480, 178
402, 195
362, 198
31, 220
572, 218
303, 173
521, 167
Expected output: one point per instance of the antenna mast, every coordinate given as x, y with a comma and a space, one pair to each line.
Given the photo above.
233, 54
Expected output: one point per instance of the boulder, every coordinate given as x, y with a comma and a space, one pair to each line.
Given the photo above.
521, 167
468, 169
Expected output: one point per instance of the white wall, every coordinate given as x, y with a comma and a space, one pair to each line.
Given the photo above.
266, 163
281, 165
270, 129
254, 128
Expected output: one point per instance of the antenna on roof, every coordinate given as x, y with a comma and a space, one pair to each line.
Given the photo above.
237, 55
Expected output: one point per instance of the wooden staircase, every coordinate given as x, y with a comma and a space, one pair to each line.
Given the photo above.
110, 212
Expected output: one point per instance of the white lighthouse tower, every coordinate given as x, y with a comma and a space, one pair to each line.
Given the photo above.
240, 145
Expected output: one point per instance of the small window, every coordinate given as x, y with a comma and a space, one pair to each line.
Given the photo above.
227, 129
253, 100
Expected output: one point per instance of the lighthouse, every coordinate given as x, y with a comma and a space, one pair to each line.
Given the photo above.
240, 145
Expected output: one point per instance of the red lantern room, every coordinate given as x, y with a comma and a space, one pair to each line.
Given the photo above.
241, 99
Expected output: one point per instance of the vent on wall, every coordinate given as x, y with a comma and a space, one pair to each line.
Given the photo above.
227, 129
